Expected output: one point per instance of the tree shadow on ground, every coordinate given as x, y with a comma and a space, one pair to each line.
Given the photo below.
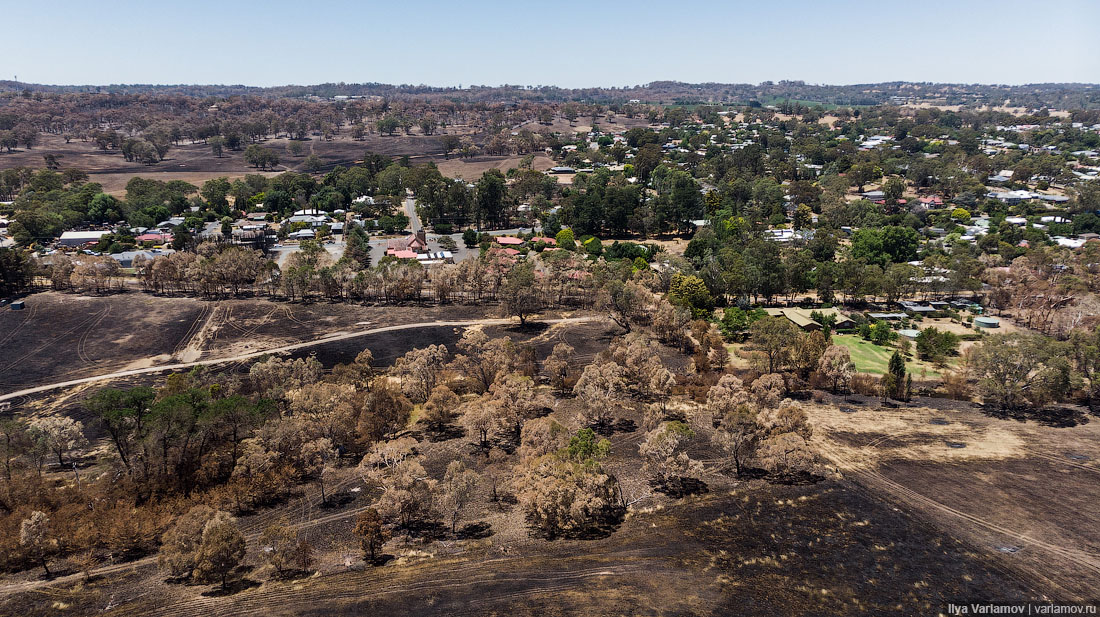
609, 428
797, 478
55, 572
232, 588
445, 432
751, 473
531, 327
506, 444
291, 575
679, 488
1057, 417
602, 526
474, 531
624, 425
338, 500
379, 560
428, 531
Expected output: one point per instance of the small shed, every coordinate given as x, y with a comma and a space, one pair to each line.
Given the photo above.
987, 322
17, 305
909, 333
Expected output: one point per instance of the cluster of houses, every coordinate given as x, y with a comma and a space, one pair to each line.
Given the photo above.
811, 320
511, 245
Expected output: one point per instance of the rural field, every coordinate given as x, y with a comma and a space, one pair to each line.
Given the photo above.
873, 359
974, 506
195, 163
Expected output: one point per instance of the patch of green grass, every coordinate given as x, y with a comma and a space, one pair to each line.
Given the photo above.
873, 359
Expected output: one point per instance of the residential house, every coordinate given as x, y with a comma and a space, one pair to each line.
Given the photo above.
413, 243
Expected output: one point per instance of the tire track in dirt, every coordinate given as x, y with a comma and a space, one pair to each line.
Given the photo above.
290, 315
196, 325
48, 342
353, 588
82, 343
330, 338
1060, 460
253, 526
1081, 558
244, 333
16, 329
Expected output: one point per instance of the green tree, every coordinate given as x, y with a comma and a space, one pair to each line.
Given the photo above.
15, 271
520, 293
489, 194
388, 124
802, 217
774, 336
862, 173
586, 446
312, 163
691, 292
565, 240
259, 156
896, 369
893, 188
358, 246
1020, 371
934, 345
215, 191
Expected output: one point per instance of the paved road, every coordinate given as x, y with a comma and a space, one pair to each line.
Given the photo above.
378, 245
339, 336
335, 249
410, 211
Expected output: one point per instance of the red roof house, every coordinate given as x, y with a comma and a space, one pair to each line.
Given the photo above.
154, 238
417, 242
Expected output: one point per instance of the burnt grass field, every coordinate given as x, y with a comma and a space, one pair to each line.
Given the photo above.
900, 521
66, 336
62, 336
821, 549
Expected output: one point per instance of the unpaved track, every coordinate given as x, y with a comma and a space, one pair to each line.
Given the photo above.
1084, 563
251, 531
340, 336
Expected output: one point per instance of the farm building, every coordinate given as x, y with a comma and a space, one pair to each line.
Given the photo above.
987, 322
126, 258
802, 317
913, 307
80, 238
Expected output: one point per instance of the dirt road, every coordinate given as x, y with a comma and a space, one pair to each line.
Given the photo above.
338, 336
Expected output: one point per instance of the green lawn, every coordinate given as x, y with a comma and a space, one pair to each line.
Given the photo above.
870, 358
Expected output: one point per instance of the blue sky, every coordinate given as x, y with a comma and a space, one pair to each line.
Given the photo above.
565, 43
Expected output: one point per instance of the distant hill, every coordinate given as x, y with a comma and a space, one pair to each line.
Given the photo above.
1050, 95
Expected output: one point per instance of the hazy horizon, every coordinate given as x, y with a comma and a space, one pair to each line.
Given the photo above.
569, 45
503, 85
